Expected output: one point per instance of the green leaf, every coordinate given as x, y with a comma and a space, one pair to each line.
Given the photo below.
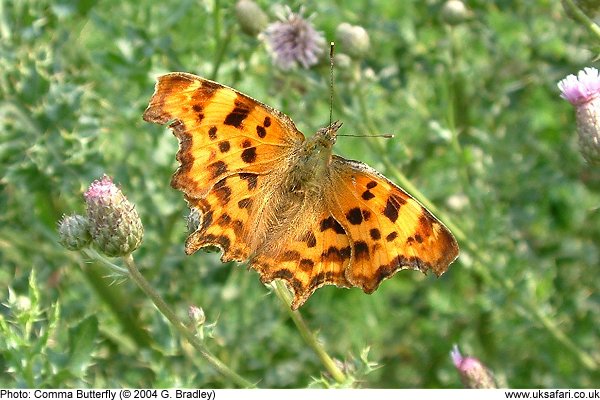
82, 338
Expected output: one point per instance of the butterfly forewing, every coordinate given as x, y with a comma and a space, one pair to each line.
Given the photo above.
221, 131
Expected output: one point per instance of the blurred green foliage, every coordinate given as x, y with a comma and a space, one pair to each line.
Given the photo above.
480, 129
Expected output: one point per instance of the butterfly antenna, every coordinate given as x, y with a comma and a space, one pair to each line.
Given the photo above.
331, 47
383, 135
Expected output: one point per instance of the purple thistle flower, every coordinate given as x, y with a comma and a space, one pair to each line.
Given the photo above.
581, 88
115, 226
583, 92
473, 373
293, 40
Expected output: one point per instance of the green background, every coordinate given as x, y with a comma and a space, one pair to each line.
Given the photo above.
479, 129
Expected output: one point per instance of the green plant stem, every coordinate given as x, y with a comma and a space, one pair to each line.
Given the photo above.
180, 326
560, 336
581, 17
286, 298
221, 42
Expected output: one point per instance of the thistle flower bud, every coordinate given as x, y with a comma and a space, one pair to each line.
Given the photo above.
583, 92
473, 374
196, 315
455, 12
251, 17
115, 226
293, 40
74, 232
354, 39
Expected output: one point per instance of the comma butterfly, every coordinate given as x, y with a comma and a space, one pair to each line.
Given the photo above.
284, 203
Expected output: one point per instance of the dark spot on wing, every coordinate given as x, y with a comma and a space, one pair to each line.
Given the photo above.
361, 250
354, 216
245, 203
222, 191
249, 155
237, 116
375, 234
212, 132
335, 254
367, 195
224, 146
392, 206
331, 223
306, 264
217, 168
261, 131
251, 178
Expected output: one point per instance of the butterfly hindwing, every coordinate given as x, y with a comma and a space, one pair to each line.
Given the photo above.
388, 229
226, 215
318, 256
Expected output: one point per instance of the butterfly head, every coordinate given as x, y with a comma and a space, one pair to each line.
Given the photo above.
327, 135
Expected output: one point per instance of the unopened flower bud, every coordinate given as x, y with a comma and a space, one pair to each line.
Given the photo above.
473, 373
342, 61
251, 17
583, 92
74, 232
196, 315
455, 12
115, 226
354, 39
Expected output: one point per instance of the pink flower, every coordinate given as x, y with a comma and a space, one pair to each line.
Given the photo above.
581, 88
472, 372
115, 226
583, 91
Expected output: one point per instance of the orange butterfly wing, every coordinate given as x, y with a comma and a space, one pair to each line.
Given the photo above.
221, 131
388, 229
316, 257
226, 141
235, 156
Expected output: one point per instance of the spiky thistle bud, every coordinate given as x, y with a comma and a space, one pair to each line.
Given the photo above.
354, 39
74, 232
583, 92
115, 226
251, 17
473, 373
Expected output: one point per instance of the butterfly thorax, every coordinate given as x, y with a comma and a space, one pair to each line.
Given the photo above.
311, 162
295, 192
